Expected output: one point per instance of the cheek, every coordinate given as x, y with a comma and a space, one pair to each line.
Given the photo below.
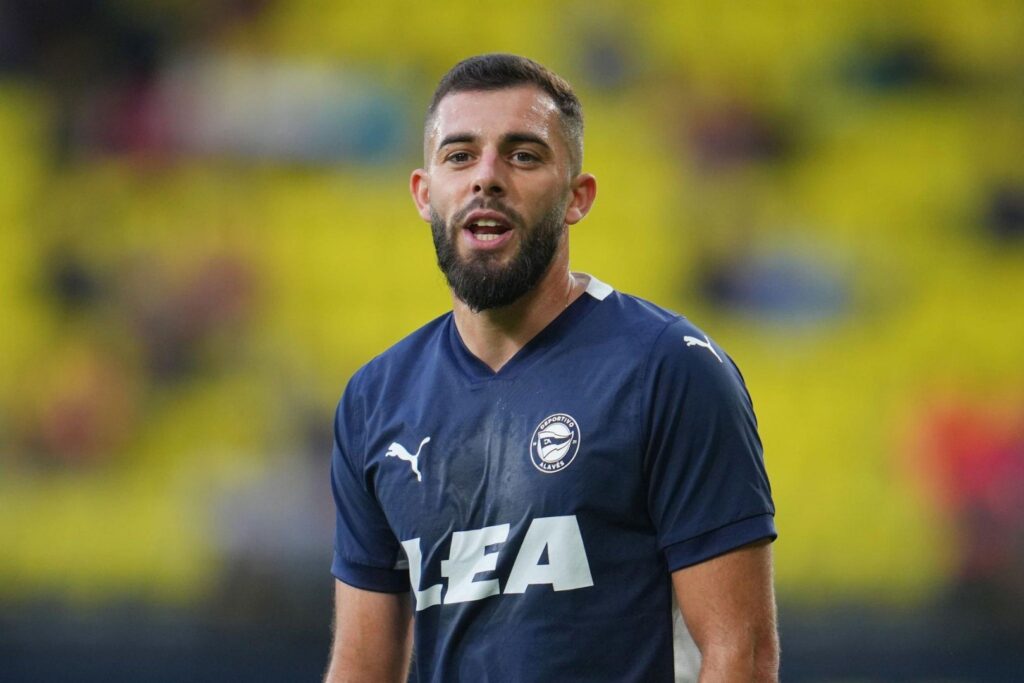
552, 199
442, 198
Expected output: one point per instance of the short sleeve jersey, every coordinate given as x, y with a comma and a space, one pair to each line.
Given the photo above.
537, 512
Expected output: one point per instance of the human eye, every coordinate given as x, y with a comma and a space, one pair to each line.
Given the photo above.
523, 156
457, 157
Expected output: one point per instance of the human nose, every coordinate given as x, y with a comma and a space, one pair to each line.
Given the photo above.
489, 179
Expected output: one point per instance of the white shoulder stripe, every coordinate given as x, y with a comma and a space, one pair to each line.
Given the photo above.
598, 289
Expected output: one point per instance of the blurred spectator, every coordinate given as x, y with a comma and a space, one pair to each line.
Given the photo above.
729, 134
973, 452
73, 283
783, 283
899, 64
607, 60
157, 325
178, 315
291, 112
100, 60
82, 407
1005, 214
72, 42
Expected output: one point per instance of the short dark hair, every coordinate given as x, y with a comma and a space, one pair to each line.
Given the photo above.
498, 71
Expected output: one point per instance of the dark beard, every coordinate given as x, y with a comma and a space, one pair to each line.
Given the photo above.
479, 281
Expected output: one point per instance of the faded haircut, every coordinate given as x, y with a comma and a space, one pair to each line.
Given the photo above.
499, 71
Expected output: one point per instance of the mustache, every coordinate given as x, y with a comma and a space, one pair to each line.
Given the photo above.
487, 205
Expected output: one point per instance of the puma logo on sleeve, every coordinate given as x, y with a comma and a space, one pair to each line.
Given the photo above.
693, 341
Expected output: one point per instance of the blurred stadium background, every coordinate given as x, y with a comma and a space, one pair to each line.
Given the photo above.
205, 229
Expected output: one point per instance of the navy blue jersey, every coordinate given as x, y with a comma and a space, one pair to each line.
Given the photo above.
536, 512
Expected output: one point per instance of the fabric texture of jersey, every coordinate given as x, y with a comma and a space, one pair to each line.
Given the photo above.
536, 513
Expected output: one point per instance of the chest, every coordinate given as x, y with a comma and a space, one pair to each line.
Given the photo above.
450, 456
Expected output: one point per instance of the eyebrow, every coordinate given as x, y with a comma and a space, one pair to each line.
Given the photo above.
525, 137
455, 138
513, 138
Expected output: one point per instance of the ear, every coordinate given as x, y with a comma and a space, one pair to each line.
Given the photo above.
419, 186
584, 191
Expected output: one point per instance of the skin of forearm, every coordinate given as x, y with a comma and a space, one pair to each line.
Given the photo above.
754, 662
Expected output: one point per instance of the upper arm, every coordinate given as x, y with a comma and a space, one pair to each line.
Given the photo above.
372, 636
708, 487
728, 603
366, 552
372, 601
711, 503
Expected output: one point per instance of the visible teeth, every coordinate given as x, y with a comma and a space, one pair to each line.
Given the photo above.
487, 236
487, 223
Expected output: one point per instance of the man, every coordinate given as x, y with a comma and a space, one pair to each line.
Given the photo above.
539, 473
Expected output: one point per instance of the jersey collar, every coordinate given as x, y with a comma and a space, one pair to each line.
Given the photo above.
555, 332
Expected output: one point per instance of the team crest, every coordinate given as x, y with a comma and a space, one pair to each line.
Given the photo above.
555, 443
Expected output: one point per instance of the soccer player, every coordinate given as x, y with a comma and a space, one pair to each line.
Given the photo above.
532, 482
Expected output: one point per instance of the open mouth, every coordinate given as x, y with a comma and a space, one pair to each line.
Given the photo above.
487, 229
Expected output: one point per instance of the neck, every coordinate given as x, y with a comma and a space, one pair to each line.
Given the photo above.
497, 334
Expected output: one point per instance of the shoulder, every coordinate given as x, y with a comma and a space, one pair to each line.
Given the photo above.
398, 362
684, 355
672, 349
659, 331
624, 321
383, 382
635, 314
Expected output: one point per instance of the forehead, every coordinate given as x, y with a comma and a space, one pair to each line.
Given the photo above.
484, 113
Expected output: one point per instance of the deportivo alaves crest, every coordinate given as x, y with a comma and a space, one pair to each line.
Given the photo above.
472, 553
555, 443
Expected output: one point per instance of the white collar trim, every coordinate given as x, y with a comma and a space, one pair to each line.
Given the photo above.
598, 289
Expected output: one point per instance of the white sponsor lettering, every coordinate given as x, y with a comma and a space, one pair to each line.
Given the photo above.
467, 558
429, 596
567, 567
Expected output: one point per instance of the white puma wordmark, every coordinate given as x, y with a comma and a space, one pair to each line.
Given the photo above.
397, 450
693, 341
